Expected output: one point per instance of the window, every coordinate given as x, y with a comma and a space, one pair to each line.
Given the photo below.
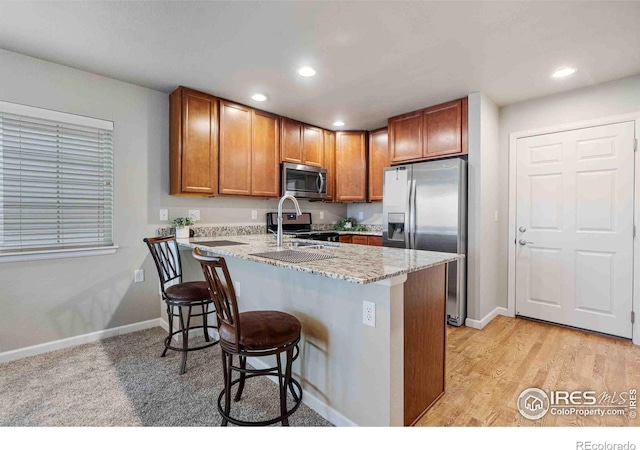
56, 184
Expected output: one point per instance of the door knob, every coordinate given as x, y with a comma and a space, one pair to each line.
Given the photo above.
523, 242
522, 229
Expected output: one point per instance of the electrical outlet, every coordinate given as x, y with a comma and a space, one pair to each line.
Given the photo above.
194, 214
164, 214
237, 287
360, 215
254, 214
369, 313
138, 276
321, 215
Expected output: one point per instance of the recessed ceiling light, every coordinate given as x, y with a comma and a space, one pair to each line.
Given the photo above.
306, 71
259, 97
564, 72
338, 123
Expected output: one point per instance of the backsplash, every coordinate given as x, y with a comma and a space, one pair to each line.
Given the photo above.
217, 230
242, 230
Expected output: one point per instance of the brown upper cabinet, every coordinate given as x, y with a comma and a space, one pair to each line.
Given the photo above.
351, 166
378, 160
248, 151
291, 141
301, 144
193, 141
235, 149
433, 132
313, 146
329, 163
265, 163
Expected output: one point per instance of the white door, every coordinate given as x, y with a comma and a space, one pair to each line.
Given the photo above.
574, 257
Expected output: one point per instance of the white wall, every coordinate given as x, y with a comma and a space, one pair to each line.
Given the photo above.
483, 195
50, 300
371, 212
599, 101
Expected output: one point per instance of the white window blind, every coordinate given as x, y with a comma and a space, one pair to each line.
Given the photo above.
56, 180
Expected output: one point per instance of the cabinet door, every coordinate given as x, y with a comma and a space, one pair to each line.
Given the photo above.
265, 163
312, 146
443, 129
235, 149
378, 160
193, 131
405, 137
291, 141
329, 163
351, 166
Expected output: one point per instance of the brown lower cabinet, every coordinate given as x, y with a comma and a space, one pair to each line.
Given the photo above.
424, 340
360, 239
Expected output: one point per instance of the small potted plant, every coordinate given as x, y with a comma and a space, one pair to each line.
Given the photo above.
182, 225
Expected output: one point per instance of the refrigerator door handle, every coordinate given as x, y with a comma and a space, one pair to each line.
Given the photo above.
407, 229
412, 215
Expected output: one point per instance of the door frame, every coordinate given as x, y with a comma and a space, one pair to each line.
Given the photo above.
513, 138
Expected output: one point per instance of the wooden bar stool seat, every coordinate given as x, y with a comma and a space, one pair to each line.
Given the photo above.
251, 334
181, 298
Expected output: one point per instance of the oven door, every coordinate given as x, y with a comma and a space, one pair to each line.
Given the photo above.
304, 181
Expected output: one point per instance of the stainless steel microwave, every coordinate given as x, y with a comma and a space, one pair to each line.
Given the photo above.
304, 181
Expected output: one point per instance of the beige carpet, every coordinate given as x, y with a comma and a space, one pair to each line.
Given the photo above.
122, 381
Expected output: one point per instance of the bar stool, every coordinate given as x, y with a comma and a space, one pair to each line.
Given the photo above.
251, 334
180, 296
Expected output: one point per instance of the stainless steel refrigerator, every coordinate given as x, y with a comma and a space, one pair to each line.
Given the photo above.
424, 207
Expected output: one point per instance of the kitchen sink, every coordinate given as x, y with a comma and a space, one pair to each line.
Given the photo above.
308, 244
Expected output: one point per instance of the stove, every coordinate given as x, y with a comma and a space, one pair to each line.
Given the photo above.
299, 226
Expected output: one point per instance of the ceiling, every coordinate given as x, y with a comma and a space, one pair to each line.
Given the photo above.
374, 59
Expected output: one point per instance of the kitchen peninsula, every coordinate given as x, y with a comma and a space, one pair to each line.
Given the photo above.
353, 374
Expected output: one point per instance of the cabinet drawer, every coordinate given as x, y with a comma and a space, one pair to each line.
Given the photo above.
375, 240
362, 240
346, 239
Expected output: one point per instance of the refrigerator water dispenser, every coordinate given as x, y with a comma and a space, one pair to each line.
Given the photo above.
396, 227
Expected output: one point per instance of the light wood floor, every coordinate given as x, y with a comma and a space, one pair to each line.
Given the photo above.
487, 370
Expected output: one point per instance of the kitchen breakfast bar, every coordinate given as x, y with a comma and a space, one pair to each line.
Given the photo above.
352, 374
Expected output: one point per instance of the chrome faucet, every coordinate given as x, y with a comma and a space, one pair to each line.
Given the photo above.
298, 212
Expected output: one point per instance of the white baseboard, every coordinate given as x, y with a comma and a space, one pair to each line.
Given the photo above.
311, 401
480, 324
12, 355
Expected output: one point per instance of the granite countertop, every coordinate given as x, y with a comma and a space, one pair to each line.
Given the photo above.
361, 264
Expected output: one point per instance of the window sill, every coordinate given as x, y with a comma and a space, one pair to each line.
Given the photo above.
56, 254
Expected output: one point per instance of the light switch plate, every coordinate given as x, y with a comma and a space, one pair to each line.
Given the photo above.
164, 214
360, 215
254, 214
321, 215
138, 276
194, 214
